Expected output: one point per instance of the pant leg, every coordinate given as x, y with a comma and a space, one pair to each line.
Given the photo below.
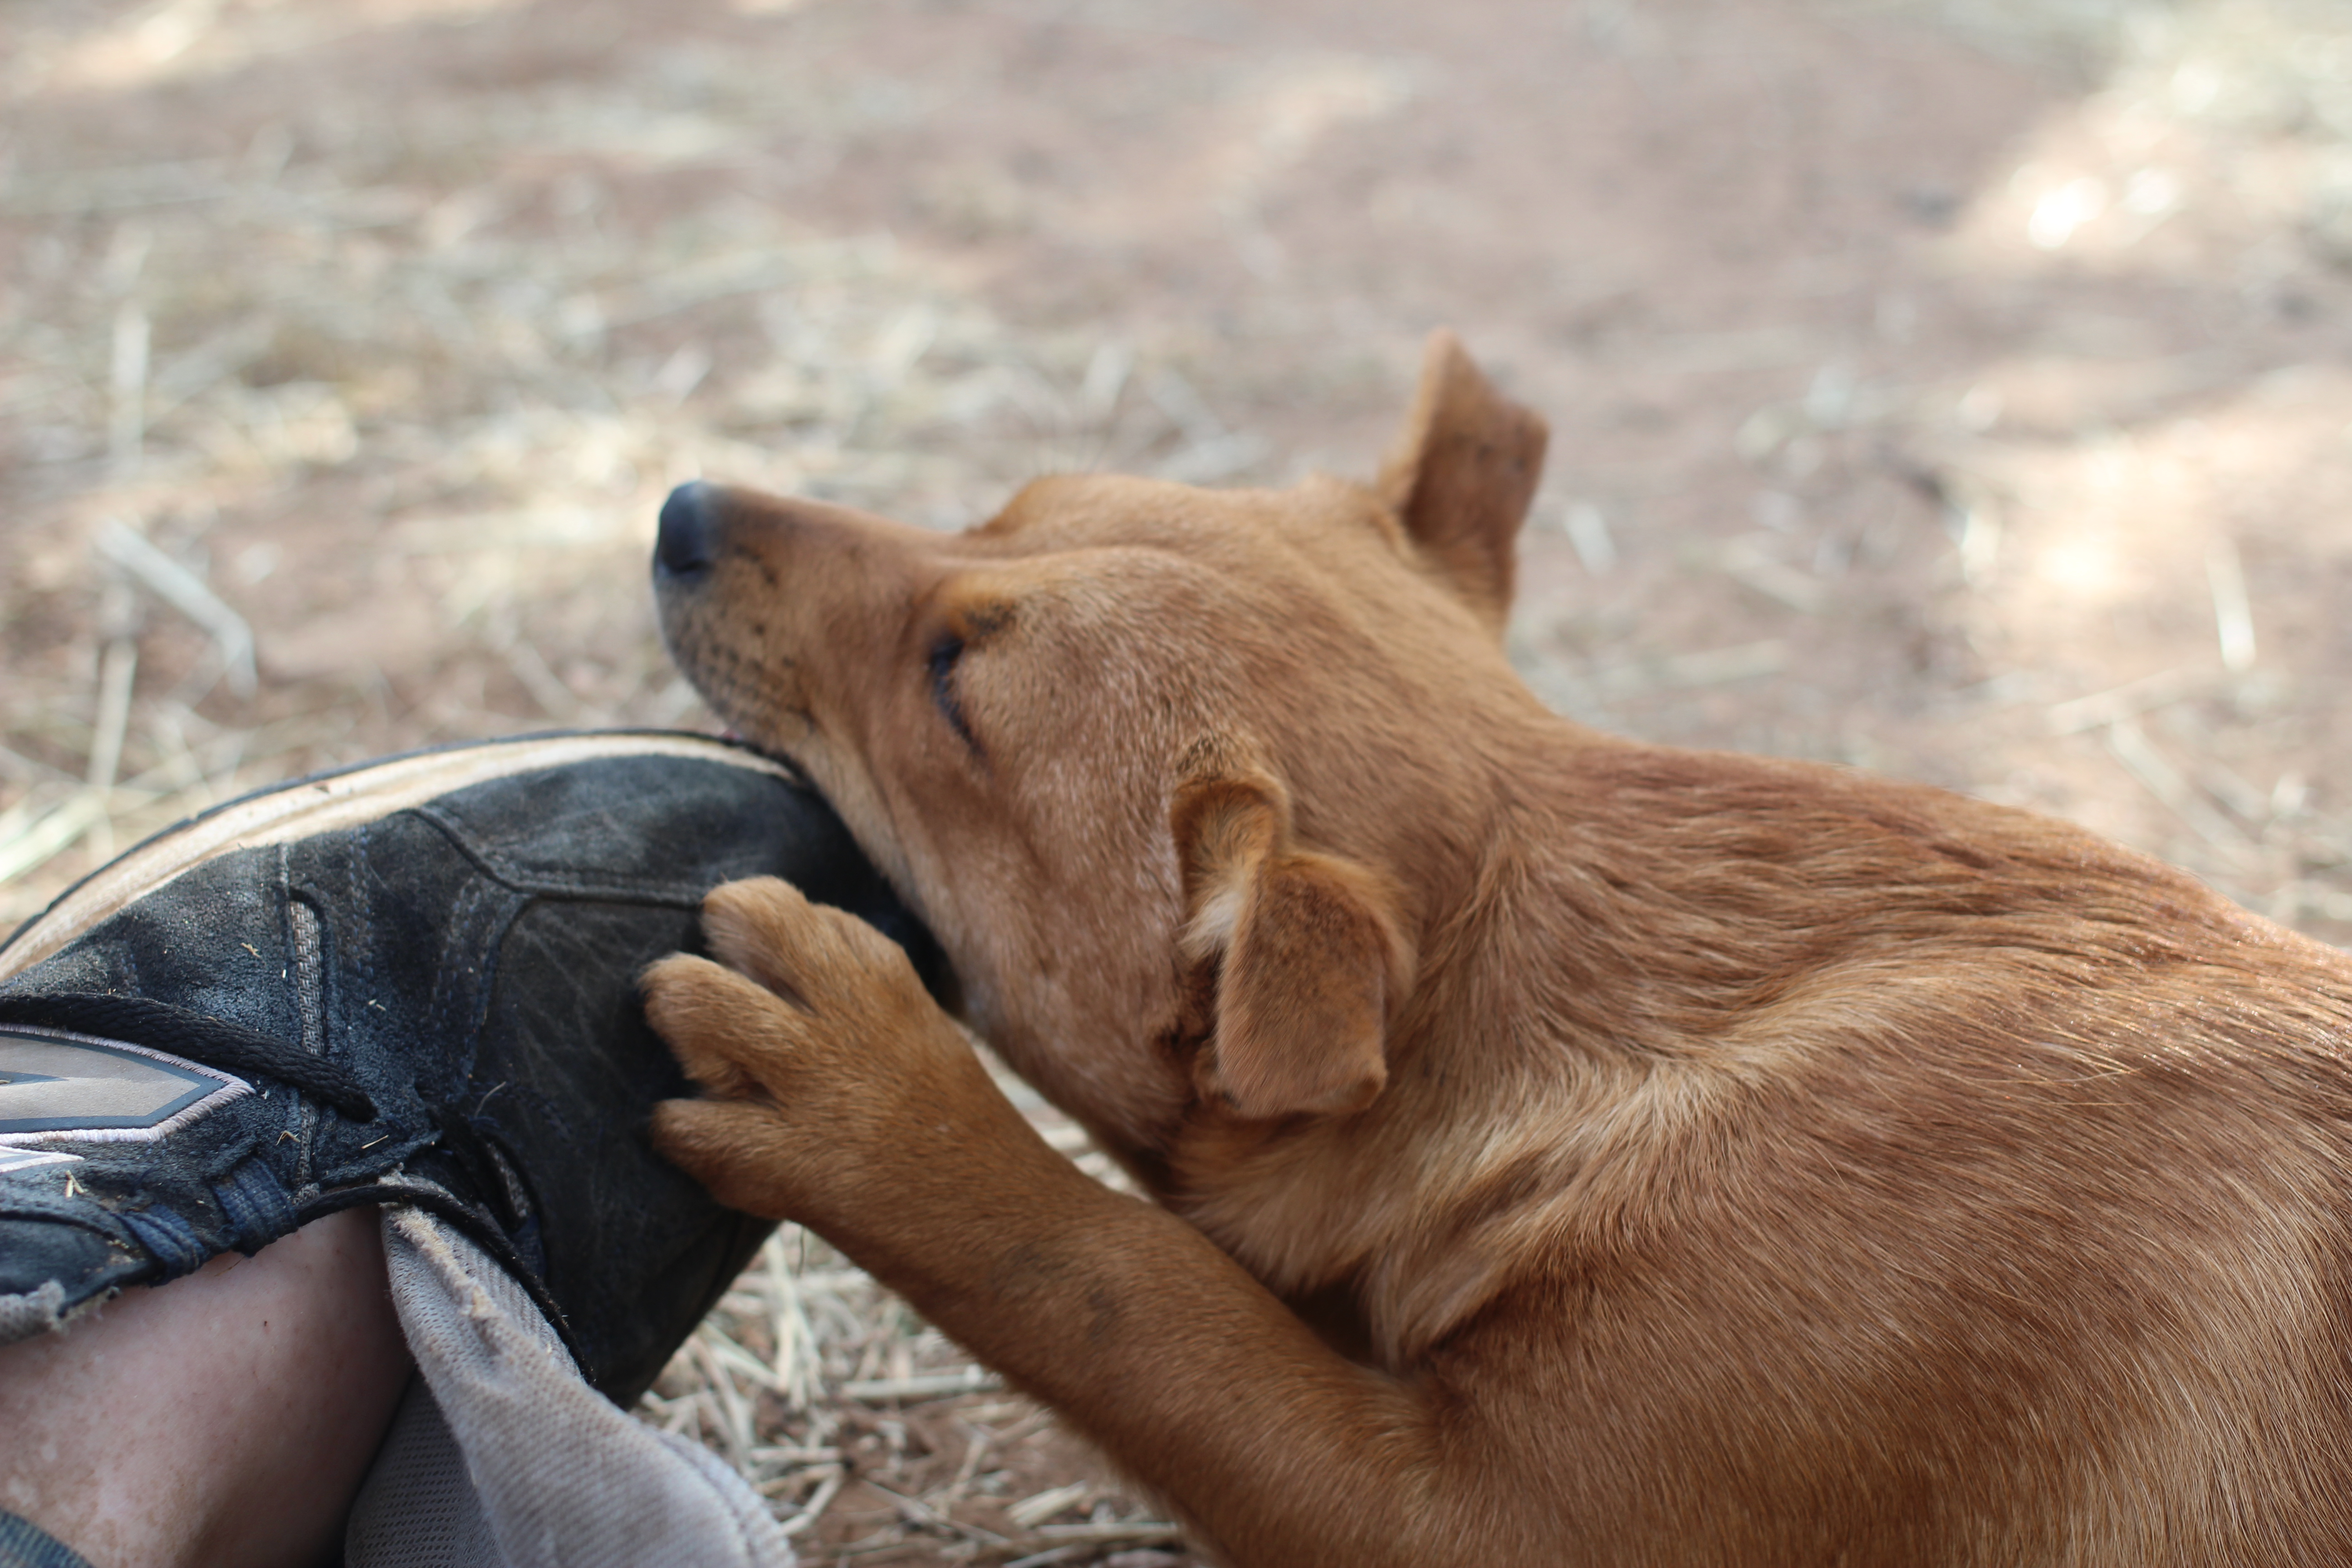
503, 1456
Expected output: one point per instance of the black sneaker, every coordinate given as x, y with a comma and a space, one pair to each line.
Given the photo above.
410, 982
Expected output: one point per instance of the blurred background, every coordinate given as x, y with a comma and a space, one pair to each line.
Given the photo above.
1957, 388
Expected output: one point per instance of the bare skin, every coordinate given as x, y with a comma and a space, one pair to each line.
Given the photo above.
226, 1417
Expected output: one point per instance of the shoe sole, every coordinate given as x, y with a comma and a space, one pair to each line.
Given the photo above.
325, 803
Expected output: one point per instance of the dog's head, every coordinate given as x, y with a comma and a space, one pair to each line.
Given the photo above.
1179, 777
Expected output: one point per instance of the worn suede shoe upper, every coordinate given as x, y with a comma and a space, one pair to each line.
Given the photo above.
430, 999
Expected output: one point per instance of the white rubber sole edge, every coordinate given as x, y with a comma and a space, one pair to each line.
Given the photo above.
365, 794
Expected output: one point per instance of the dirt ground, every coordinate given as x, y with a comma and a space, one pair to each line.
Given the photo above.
1957, 388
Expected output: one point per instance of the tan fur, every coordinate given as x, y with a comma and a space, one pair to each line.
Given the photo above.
1567, 1151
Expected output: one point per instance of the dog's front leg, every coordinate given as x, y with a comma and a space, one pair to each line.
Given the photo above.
842, 1098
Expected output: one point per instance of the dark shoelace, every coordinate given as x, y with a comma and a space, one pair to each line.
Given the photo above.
200, 1038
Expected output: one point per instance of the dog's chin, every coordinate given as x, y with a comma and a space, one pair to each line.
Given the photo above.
745, 718
763, 738
734, 726
760, 738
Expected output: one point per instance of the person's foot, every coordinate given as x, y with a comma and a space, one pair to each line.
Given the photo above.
411, 982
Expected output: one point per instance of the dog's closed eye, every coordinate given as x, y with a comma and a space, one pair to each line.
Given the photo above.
945, 655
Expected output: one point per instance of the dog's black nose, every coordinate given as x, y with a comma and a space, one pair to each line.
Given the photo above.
689, 544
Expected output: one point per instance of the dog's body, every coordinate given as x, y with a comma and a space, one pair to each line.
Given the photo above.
1571, 1151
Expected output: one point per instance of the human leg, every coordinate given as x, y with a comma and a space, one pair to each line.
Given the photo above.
225, 1417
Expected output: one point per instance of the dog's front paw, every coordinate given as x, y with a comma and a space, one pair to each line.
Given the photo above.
814, 1043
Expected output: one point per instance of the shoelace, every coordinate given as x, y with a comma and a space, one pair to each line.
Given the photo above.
200, 1038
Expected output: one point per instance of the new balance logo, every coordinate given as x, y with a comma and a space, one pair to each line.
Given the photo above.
57, 1084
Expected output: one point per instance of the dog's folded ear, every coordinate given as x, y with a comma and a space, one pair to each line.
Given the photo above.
1308, 965
1461, 473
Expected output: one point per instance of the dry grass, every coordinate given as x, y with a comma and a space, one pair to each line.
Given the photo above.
255, 341
413, 422
346, 351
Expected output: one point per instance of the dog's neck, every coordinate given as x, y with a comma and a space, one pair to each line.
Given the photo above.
1304, 1202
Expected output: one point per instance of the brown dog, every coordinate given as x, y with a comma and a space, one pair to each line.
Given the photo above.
1568, 1151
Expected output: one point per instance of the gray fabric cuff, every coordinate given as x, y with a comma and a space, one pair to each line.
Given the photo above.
503, 1456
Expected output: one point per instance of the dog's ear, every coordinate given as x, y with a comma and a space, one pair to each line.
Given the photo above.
1307, 962
1461, 473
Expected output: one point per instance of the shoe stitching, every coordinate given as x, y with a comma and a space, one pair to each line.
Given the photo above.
359, 909
521, 878
474, 933
305, 943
